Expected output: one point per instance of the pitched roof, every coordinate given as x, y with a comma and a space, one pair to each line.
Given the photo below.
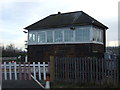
65, 19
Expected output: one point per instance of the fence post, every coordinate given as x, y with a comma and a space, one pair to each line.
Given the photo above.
88, 69
85, 74
39, 70
83, 69
29, 71
103, 73
20, 71
10, 74
52, 72
44, 71
25, 71
96, 69
5, 72
15, 70
91, 69
34, 70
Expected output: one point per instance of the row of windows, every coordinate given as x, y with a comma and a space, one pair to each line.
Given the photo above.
80, 35
85, 34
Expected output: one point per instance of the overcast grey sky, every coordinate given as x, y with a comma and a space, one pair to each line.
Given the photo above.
17, 14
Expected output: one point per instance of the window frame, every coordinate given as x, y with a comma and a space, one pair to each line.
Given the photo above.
86, 30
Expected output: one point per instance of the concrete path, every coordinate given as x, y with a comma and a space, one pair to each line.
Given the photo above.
20, 84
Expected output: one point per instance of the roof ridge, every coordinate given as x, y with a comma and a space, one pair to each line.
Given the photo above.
66, 13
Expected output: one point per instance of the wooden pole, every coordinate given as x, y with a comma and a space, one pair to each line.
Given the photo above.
52, 73
20, 71
25, 78
29, 71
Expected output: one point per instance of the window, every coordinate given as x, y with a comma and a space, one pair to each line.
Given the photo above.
101, 36
68, 36
86, 34
58, 36
97, 35
33, 36
77, 35
30, 36
82, 34
41, 37
49, 36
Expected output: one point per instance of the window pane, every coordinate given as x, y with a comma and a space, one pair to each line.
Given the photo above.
30, 36
94, 34
101, 36
77, 35
49, 36
82, 34
41, 37
33, 37
97, 35
58, 36
68, 36
85, 34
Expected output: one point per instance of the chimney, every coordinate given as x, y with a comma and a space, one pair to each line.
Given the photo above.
59, 12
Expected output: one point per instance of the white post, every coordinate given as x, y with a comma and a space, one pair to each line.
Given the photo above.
44, 72
34, 70
26, 58
39, 70
10, 74
5, 73
15, 70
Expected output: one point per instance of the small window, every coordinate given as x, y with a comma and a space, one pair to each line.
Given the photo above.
82, 35
30, 36
58, 36
94, 34
49, 36
97, 35
41, 37
33, 37
77, 35
68, 36
101, 36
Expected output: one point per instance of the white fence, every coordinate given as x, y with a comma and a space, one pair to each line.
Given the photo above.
23, 71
